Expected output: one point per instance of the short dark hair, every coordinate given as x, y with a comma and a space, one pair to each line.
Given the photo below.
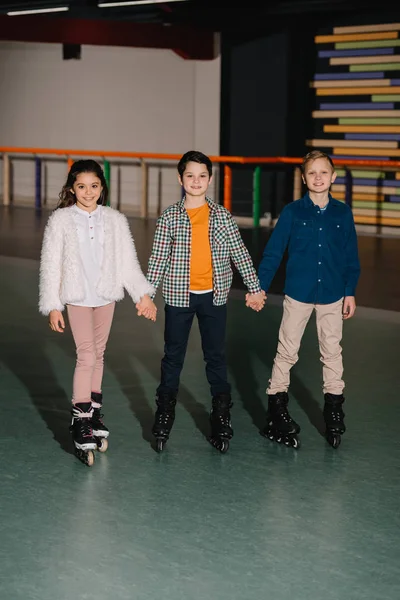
67, 198
313, 155
194, 156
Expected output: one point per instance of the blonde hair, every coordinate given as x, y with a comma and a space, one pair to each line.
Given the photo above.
313, 155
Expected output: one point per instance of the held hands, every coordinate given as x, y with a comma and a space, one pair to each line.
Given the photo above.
256, 301
147, 308
349, 307
56, 321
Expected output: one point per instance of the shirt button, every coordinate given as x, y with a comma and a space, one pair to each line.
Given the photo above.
319, 263
320, 228
319, 245
337, 225
91, 238
319, 280
303, 223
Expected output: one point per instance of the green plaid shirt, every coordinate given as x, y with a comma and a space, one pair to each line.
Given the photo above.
170, 256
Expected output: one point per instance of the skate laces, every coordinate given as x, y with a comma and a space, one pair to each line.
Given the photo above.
86, 428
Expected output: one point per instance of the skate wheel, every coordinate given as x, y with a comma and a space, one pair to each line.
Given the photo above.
102, 444
87, 457
160, 443
334, 440
295, 443
223, 446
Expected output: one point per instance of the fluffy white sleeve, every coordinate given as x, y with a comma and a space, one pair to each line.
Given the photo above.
50, 268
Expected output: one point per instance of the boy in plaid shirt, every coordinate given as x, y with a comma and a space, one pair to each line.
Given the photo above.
194, 243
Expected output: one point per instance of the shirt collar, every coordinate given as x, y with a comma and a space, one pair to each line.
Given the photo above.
96, 213
309, 203
211, 204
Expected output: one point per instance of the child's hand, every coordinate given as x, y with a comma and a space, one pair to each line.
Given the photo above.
256, 301
56, 321
349, 307
147, 308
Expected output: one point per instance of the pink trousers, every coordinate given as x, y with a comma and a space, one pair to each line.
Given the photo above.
90, 328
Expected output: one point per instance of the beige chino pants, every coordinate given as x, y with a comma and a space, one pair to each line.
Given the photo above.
295, 317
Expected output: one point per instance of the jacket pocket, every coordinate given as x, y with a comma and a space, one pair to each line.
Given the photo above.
303, 228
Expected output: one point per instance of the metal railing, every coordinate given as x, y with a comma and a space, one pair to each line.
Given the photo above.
144, 159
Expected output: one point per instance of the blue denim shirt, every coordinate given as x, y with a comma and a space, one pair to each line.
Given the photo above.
323, 263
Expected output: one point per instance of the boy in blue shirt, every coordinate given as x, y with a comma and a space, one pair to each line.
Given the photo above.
321, 274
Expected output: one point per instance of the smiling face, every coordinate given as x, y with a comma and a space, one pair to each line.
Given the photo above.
87, 189
319, 175
195, 179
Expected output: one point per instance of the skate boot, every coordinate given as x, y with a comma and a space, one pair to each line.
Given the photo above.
100, 431
82, 432
220, 420
280, 426
334, 418
164, 419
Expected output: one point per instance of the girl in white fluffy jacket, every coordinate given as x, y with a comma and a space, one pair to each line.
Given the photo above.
88, 257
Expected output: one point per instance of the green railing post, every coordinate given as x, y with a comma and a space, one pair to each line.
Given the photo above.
106, 167
256, 196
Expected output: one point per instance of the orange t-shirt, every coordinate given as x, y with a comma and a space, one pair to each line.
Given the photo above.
201, 276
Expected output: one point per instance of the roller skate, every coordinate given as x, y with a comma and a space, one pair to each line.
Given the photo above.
280, 426
164, 419
220, 420
333, 416
100, 431
82, 432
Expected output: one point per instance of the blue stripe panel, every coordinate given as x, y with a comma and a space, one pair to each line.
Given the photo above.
356, 105
378, 182
394, 82
369, 75
358, 52
393, 198
345, 157
372, 136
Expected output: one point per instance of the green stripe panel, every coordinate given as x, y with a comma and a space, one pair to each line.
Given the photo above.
375, 67
362, 174
385, 98
374, 205
371, 44
369, 121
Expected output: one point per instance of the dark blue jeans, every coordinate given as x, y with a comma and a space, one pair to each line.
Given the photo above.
212, 325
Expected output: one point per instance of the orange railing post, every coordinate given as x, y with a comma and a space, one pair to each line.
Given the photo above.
228, 187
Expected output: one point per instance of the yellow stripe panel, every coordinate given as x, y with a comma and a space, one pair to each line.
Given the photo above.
356, 37
365, 151
397, 175
322, 114
349, 83
361, 197
361, 220
361, 128
366, 28
352, 143
342, 91
391, 214
363, 60
366, 189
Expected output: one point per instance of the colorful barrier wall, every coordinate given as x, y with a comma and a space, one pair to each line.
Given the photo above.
357, 114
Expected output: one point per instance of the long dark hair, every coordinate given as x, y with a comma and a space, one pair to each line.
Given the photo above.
67, 198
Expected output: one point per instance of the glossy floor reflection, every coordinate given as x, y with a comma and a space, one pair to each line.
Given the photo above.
262, 521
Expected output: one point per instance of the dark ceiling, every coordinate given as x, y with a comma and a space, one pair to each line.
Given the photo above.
216, 15
187, 27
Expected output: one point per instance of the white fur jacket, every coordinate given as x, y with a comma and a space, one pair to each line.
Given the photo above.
61, 274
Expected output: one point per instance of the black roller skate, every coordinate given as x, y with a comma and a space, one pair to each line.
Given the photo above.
220, 420
82, 432
100, 431
164, 419
334, 419
280, 426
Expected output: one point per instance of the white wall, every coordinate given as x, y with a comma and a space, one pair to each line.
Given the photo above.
117, 99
